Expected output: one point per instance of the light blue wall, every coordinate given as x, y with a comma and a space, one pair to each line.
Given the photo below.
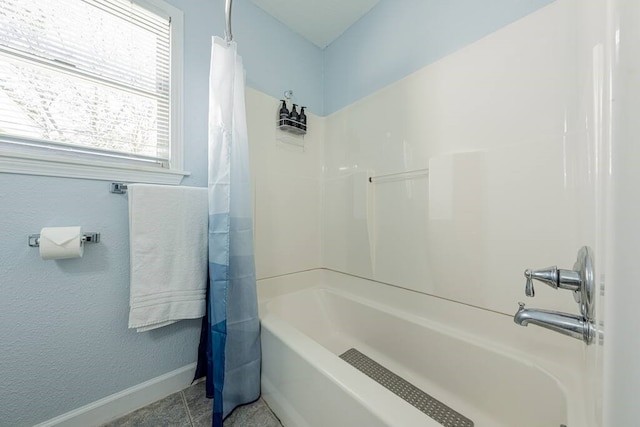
277, 59
63, 336
64, 340
397, 38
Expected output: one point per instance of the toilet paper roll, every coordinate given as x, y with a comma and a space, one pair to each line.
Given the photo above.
61, 242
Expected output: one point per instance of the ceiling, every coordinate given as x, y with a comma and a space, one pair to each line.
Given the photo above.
319, 21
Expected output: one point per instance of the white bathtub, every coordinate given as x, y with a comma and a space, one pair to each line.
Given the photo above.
477, 362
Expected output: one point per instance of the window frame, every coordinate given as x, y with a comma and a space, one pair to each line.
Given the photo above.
57, 163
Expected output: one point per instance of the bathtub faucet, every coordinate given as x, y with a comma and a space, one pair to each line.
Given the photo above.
567, 324
580, 281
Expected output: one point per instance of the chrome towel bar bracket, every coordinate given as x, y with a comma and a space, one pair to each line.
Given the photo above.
118, 188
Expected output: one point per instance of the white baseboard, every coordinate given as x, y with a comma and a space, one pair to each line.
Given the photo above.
125, 401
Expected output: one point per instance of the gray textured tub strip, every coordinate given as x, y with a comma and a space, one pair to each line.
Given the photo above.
407, 391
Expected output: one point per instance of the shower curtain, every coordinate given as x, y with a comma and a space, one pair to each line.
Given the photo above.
233, 350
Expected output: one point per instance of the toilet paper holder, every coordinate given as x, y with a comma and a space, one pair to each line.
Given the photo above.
87, 237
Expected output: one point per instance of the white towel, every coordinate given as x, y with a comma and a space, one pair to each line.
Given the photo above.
168, 238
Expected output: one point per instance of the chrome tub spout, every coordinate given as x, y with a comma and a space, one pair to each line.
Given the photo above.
566, 324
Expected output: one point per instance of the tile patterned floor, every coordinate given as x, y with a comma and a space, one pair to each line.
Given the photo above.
191, 408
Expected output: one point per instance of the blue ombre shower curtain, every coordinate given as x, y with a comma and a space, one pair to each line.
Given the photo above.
233, 353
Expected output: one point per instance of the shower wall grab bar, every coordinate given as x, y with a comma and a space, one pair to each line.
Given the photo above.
87, 237
399, 176
227, 11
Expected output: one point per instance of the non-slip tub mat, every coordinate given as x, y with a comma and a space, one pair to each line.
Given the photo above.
404, 389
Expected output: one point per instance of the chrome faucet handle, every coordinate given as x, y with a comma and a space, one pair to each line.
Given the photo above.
547, 275
554, 277
528, 287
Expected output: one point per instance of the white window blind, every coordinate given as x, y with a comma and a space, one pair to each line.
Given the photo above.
89, 76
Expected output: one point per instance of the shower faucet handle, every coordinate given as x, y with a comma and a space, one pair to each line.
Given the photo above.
554, 277
547, 275
528, 288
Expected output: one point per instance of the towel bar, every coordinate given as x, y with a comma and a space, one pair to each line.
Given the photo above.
34, 239
400, 176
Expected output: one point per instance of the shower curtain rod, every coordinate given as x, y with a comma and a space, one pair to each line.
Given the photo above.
227, 10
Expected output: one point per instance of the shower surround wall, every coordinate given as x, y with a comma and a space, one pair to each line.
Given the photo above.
288, 185
501, 129
509, 127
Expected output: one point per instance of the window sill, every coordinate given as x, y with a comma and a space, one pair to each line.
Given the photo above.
19, 163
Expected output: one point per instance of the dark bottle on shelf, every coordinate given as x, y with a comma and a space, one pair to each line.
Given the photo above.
283, 114
302, 119
294, 117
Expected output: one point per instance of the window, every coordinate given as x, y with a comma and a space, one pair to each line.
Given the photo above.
91, 83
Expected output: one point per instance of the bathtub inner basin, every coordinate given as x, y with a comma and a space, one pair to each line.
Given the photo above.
481, 381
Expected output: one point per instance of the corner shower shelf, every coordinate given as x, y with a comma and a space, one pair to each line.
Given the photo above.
290, 134
293, 128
